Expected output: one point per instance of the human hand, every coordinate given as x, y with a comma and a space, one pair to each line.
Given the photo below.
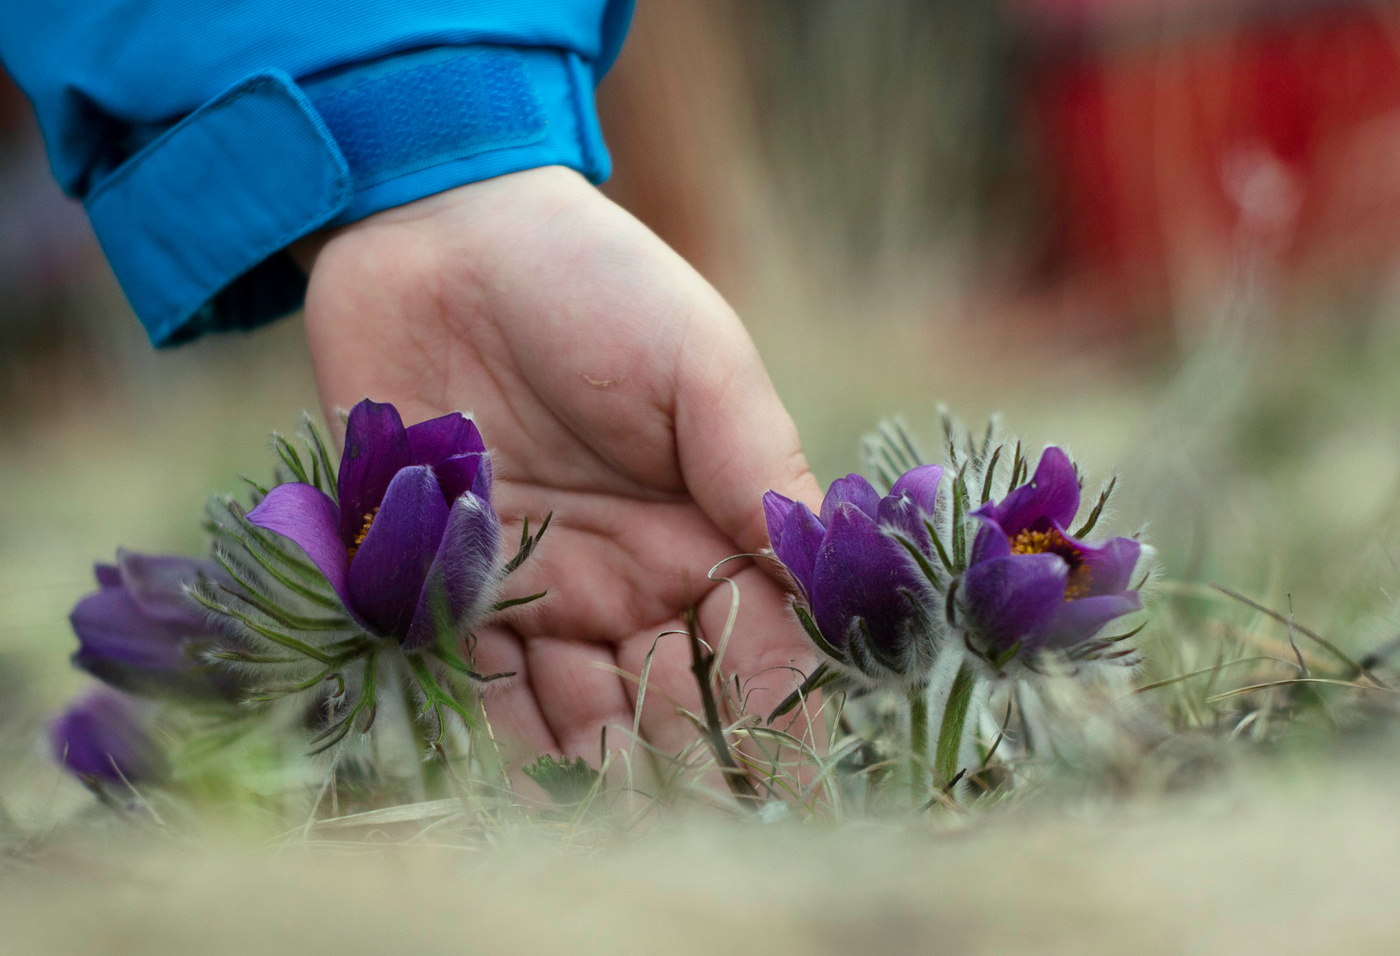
617, 390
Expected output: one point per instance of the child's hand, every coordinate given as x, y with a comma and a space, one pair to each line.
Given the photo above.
619, 391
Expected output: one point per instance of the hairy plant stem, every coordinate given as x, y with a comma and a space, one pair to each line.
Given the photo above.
488, 751
702, 666
953, 726
918, 744
417, 737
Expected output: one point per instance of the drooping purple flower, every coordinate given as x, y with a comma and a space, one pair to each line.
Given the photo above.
141, 631
866, 595
102, 737
413, 542
1030, 585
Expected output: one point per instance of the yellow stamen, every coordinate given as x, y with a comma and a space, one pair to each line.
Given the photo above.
1052, 542
364, 530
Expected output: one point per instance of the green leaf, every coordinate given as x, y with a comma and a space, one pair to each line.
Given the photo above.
317, 448
527, 544
820, 677
290, 458
568, 782
991, 474
276, 637
960, 509
814, 632
1094, 515
919, 559
938, 545
517, 602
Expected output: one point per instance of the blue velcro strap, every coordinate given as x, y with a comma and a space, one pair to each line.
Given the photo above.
409, 112
231, 184
195, 224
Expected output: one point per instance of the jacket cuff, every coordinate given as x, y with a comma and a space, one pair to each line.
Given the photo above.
195, 224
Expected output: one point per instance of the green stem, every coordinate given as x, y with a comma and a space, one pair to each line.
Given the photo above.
918, 744
950, 732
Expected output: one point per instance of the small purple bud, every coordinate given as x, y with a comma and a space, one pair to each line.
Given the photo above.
102, 737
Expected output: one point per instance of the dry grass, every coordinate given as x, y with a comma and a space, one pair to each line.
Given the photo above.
1294, 859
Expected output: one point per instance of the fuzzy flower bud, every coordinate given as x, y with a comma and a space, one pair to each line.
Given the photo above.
872, 608
101, 738
141, 632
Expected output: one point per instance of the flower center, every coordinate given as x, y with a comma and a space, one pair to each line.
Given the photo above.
360, 536
1052, 542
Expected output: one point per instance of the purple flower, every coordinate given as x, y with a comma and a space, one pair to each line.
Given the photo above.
413, 542
868, 599
142, 633
1029, 584
101, 737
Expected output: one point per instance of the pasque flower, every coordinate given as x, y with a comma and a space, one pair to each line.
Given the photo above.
872, 607
101, 737
411, 544
143, 633
1030, 585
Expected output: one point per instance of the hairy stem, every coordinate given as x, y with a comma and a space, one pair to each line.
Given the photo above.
950, 732
918, 744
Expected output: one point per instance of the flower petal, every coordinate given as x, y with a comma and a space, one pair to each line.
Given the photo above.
852, 489
157, 583
1078, 621
1052, 493
101, 736
122, 645
859, 574
462, 576
111, 626
439, 439
463, 473
387, 572
1014, 598
775, 512
308, 517
1111, 565
921, 485
991, 542
799, 542
108, 575
376, 447
904, 516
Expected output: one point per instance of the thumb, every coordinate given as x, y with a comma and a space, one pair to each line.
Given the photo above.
734, 438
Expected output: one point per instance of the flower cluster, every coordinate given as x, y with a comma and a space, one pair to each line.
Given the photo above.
334, 584
378, 571
143, 635
884, 583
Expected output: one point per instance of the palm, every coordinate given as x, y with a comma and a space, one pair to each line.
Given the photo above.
618, 392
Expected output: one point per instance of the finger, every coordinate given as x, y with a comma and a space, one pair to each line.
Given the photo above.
516, 720
770, 658
734, 438
669, 686
766, 649
580, 695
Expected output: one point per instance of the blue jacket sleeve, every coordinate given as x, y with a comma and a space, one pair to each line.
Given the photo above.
204, 136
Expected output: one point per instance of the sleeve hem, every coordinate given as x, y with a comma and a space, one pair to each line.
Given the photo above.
194, 225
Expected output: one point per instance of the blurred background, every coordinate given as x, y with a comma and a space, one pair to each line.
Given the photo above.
1162, 232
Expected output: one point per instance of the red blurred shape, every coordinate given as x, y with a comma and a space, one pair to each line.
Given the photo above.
1181, 140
